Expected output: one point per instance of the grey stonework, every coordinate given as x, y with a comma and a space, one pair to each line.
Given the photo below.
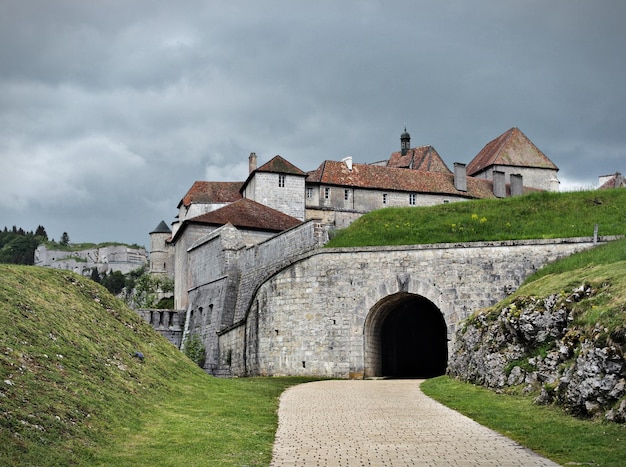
168, 323
584, 373
288, 307
104, 259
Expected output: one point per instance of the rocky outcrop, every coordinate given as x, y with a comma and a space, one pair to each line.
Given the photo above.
536, 344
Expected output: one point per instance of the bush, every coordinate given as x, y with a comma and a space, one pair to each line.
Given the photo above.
194, 349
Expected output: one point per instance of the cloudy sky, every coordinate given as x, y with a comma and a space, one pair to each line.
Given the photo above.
110, 110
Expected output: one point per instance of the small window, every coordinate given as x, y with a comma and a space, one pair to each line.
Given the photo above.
281, 181
446, 201
326, 193
309, 193
412, 199
384, 198
346, 194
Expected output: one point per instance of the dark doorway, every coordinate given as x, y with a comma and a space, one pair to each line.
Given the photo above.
414, 340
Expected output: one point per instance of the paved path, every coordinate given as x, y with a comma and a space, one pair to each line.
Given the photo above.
384, 423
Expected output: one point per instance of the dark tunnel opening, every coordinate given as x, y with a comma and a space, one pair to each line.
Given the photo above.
414, 340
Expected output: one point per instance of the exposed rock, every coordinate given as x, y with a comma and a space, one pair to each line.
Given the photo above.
530, 343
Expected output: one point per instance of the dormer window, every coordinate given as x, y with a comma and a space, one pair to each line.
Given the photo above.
281, 181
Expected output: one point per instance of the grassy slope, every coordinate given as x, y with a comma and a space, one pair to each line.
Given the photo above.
539, 215
544, 429
67, 366
73, 393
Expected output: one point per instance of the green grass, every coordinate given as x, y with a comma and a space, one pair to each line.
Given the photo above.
538, 215
217, 422
73, 393
603, 267
72, 247
544, 429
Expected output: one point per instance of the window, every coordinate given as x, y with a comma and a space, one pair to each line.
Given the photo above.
412, 199
281, 181
309, 193
346, 194
326, 193
384, 198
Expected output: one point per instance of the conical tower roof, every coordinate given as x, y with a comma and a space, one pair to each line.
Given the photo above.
161, 228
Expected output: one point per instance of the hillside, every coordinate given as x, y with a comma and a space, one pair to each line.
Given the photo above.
538, 215
561, 336
68, 369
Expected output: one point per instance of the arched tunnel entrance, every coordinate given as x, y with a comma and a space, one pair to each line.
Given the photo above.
406, 336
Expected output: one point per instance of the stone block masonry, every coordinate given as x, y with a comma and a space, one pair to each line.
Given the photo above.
322, 314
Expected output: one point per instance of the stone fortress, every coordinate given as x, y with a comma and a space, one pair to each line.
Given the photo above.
253, 283
104, 259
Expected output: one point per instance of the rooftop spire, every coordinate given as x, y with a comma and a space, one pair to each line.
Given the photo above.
405, 141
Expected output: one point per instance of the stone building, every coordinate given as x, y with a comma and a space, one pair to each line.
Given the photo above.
231, 237
104, 259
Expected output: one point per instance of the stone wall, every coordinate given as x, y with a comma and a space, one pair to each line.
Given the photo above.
360, 201
264, 188
104, 259
223, 275
316, 314
168, 323
542, 179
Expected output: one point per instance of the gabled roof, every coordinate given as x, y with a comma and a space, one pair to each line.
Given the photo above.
162, 228
424, 158
279, 165
212, 193
511, 148
393, 179
248, 214
615, 181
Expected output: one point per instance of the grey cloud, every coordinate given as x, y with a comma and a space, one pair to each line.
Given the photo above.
119, 106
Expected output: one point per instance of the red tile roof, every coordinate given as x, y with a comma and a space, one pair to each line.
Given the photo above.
212, 193
394, 179
616, 181
279, 165
248, 214
422, 158
511, 148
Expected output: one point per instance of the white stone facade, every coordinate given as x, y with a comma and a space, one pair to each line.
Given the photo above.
105, 259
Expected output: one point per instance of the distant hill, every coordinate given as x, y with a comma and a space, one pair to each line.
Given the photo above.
69, 366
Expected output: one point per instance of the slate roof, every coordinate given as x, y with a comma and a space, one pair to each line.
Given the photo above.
422, 158
279, 165
616, 181
396, 179
511, 148
212, 193
248, 214
162, 228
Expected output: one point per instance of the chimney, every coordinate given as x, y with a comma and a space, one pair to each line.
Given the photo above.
499, 184
348, 162
252, 162
517, 185
460, 176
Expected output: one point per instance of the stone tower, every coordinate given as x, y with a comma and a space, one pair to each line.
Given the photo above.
160, 257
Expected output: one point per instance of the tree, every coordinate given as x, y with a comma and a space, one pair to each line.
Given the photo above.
114, 282
41, 232
65, 239
95, 275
